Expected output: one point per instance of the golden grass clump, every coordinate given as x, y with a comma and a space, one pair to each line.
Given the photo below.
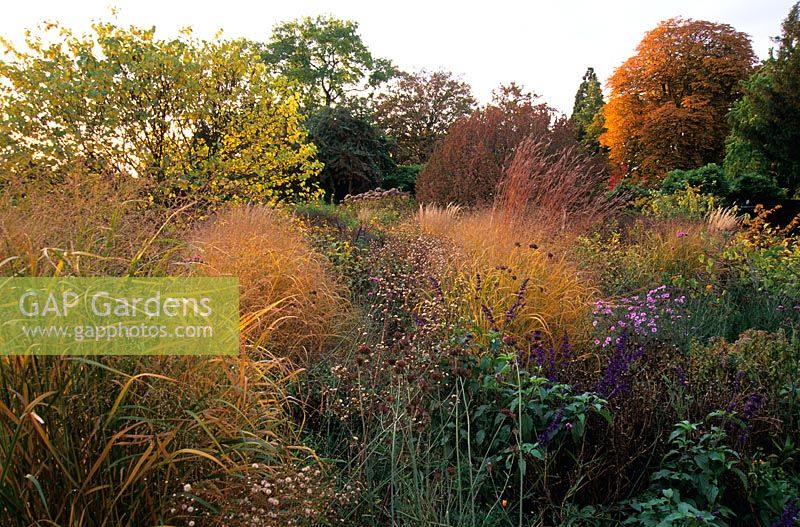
514, 281
125, 434
437, 220
722, 220
89, 224
289, 299
675, 247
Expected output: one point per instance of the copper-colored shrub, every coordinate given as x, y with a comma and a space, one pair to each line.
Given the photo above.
467, 164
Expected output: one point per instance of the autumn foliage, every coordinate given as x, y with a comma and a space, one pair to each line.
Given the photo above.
556, 190
669, 101
418, 108
469, 162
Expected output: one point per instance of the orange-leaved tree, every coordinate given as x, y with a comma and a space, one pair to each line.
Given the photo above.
669, 101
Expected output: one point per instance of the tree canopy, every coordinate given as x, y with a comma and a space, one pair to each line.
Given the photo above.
765, 134
668, 102
355, 154
327, 59
418, 108
587, 112
199, 117
468, 163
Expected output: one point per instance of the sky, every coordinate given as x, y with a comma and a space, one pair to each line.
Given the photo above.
544, 46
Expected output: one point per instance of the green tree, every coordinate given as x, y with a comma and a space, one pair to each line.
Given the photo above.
355, 154
765, 131
326, 58
587, 112
193, 117
417, 110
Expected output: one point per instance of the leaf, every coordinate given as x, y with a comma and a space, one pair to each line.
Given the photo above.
479, 437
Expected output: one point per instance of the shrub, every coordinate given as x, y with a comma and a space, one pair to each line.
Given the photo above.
755, 187
647, 254
726, 374
466, 166
403, 177
688, 202
689, 488
286, 288
355, 155
768, 255
710, 179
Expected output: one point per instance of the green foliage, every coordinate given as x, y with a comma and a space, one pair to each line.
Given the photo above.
768, 360
752, 186
519, 421
354, 154
403, 177
629, 191
766, 120
327, 59
689, 487
195, 117
710, 179
768, 255
690, 202
587, 112
772, 482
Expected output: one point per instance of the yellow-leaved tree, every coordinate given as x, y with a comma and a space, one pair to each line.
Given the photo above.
196, 118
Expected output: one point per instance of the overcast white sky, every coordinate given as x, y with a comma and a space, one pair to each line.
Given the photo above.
546, 46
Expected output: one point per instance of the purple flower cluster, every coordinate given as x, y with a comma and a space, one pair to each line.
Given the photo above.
749, 409
680, 375
519, 302
615, 377
487, 312
552, 429
512, 312
546, 356
437, 286
636, 316
790, 515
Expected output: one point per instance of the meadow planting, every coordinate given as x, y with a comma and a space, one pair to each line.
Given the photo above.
531, 333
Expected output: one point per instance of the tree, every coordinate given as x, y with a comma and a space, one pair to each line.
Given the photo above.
587, 112
417, 109
668, 102
355, 154
193, 117
765, 131
466, 166
326, 58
